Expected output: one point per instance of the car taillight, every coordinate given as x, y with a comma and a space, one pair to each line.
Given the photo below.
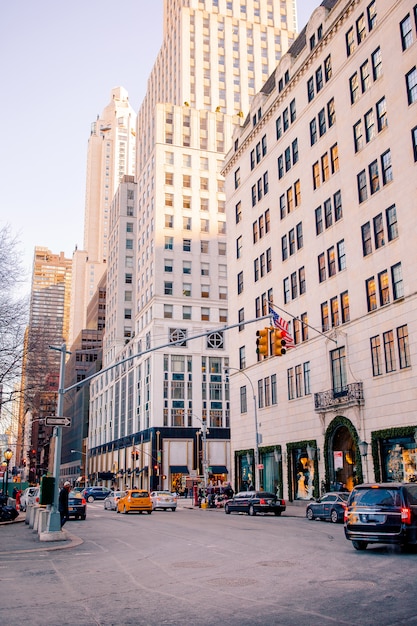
262, 501
406, 515
345, 515
83, 501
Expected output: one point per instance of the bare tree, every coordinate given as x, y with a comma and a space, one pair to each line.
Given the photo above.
13, 316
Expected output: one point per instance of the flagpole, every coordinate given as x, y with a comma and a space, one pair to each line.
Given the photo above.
294, 317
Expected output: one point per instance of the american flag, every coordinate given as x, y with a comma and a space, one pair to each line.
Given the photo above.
282, 324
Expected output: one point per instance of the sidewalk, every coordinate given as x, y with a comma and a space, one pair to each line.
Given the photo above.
16, 537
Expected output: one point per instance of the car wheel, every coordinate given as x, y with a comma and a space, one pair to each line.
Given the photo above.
174, 508
277, 513
226, 509
334, 517
251, 511
310, 514
360, 545
90, 499
149, 512
83, 516
117, 510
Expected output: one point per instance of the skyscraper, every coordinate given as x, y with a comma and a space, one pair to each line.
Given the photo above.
111, 155
149, 415
48, 325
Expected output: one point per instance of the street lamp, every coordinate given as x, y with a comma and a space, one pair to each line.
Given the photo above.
204, 432
255, 413
363, 447
7, 455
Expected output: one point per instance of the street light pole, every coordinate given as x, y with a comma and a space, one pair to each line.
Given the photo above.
54, 520
255, 414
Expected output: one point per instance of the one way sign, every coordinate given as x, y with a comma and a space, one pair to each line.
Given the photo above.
57, 421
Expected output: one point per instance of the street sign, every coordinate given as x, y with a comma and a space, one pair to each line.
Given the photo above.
261, 466
57, 421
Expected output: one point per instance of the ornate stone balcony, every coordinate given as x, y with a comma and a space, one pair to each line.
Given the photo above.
334, 399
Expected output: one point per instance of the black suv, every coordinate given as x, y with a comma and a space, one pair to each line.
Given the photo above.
382, 513
95, 493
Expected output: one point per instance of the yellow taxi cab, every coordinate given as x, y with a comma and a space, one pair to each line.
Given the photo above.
135, 500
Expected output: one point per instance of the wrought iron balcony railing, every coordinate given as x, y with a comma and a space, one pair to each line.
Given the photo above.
331, 400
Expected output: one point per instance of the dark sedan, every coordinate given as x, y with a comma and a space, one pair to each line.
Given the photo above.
77, 505
253, 502
331, 506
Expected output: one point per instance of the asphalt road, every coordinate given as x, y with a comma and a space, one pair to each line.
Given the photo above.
197, 567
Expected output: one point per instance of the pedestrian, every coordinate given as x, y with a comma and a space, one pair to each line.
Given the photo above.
63, 502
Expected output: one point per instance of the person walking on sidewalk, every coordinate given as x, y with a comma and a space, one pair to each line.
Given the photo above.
63, 502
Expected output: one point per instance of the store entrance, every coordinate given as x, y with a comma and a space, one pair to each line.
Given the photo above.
342, 460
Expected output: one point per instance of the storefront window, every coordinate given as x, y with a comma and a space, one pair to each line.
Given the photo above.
303, 475
399, 460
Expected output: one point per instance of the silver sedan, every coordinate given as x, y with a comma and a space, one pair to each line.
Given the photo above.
112, 499
163, 500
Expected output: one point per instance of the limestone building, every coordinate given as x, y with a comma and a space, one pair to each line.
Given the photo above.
320, 187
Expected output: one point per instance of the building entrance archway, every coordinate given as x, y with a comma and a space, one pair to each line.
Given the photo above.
343, 460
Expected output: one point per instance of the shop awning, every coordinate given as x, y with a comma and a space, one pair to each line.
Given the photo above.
179, 469
217, 469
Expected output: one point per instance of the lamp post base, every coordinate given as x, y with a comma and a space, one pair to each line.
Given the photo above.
56, 535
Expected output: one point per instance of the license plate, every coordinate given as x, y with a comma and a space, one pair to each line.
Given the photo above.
372, 518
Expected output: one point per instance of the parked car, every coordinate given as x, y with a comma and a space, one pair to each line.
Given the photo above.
77, 505
330, 506
164, 500
253, 502
95, 493
112, 499
382, 513
135, 500
28, 497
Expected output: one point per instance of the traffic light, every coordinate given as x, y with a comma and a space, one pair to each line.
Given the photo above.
262, 342
278, 342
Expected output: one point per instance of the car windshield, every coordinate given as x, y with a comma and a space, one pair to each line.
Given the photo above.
139, 494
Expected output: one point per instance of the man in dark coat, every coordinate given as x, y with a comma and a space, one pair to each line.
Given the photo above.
63, 502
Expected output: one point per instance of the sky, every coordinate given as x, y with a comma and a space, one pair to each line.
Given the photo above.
59, 62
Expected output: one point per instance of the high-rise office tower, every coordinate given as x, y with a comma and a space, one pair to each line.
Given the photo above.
111, 155
162, 419
48, 325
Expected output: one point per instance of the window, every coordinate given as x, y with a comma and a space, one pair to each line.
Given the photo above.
169, 243
168, 311
381, 114
374, 177
322, 122
358, 136
386, 167
344, 301
354, 88
168, 265
328, 68
338, 369
186, 312
411, 82
366, 239
325, 170
238, 247
186, 223
319, 220
334, 311
365, 79
371, 13
186, 245
362, 188
324, 316
331, 261
284, 247
371, 294
322, 267
360, 28
240, 283
186, 290
389, 351
205, 314
376, 356
369, 125
392, 226
302, 280
313, 132
238, 212
310, 89
316, 175
299, 235
341, 255
397, 281
403, 347
350, 42
406, 32
337, 205
376, 59
383, 287
168, 288
414, 142
204, 247
237, 178
169, 221
243, 398
319, 79
222, 248
331, 113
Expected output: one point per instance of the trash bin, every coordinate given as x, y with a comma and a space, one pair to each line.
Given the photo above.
47, 490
